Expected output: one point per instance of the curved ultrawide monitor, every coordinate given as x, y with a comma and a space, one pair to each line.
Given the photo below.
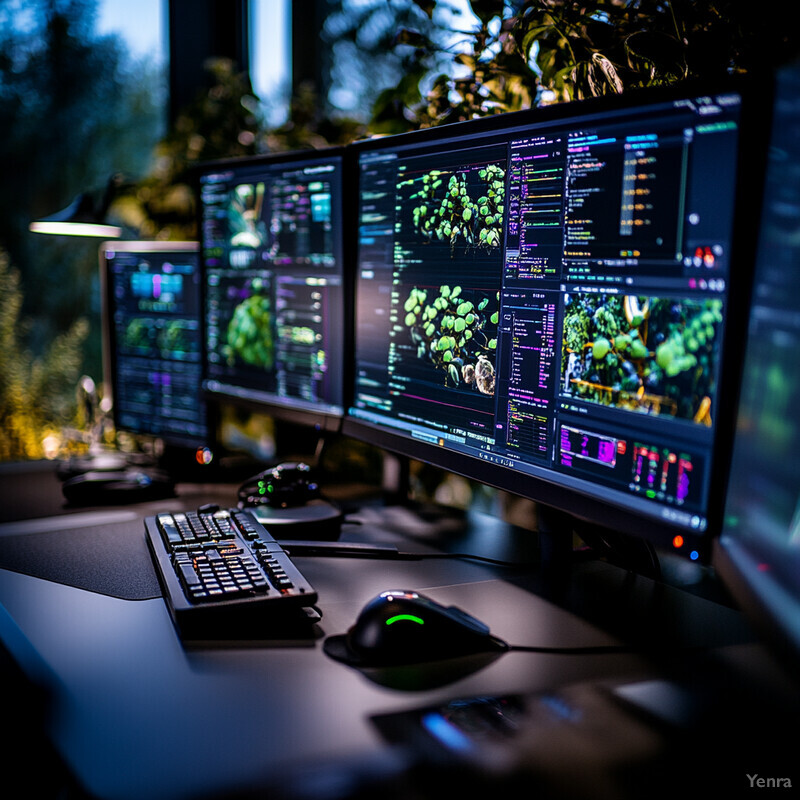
271, 246
549, 302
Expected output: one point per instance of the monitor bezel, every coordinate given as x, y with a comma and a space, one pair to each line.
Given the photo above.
756, 94
144, 246
291, 410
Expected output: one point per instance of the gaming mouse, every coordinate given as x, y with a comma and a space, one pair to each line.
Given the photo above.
405, 627
287, 484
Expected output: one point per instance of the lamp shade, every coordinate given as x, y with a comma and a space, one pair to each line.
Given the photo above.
82, 217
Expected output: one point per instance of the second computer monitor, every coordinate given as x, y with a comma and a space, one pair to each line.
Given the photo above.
271, 245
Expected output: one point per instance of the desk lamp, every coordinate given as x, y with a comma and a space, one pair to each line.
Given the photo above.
84, 216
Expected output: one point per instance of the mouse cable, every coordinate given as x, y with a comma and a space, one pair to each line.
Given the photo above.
572, 651
610, 649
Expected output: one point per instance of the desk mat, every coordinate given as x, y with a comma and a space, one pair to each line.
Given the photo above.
109, 559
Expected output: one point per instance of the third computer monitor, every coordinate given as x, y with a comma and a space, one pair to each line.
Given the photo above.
757, 554
271, 245
547, 302
153, 341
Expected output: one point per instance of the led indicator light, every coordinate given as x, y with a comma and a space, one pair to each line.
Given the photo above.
677, 541
408, 617
203, 456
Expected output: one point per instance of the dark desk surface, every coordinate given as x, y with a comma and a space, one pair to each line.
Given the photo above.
134, 713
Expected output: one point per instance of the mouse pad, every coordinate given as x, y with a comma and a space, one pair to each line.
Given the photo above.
107, 559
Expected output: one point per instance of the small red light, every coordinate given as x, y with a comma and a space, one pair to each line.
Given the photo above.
677, 541
203, 456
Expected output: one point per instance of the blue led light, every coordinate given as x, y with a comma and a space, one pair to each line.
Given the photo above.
446, 733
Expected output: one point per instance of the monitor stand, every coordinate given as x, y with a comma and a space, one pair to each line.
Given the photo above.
554, 530
627, 552
317, 520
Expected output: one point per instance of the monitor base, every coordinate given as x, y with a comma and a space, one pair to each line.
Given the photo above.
317, 519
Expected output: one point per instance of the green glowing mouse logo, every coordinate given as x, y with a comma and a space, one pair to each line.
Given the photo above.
408, 617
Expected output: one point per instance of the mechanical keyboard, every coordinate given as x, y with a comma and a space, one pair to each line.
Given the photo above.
225, 576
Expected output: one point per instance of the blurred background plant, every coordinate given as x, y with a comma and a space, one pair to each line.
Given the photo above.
76, 107
36, 392
521, 53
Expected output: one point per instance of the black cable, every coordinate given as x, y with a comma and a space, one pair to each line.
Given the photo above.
572, 651
485, 559
297, 549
